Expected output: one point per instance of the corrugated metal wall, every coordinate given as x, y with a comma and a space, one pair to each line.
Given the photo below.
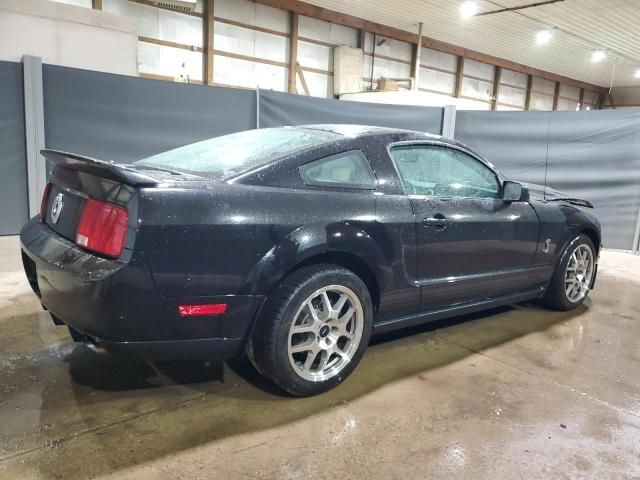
251, 43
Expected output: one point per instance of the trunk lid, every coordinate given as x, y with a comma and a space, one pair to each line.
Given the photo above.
76, 178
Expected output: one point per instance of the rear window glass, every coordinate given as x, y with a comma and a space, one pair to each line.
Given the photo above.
346, 170
230, 155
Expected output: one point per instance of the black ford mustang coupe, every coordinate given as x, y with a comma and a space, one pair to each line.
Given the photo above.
295, 244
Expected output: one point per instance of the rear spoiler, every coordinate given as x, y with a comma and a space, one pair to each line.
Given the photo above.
99, 168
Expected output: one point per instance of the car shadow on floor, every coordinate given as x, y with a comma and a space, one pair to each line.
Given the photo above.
141, 411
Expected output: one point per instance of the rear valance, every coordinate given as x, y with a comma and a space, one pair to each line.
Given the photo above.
99, 168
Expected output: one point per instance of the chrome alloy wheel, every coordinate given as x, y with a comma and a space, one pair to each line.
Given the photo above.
579, 273
325, 333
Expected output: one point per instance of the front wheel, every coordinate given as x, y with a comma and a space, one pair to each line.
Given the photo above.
572, 279
314, 329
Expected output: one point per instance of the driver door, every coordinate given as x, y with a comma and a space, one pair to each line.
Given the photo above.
471, 244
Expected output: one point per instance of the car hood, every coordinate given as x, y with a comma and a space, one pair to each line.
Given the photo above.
540, 192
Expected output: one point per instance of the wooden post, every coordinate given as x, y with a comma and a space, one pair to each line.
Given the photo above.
581, 100
459, 76
362, 35
496, 87
293, 52
208, 41
96, 4
417, 52
556, 96
527, 101
302, 79
598, 105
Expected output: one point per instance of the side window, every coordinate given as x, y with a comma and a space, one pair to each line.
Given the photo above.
344, 170
443, 172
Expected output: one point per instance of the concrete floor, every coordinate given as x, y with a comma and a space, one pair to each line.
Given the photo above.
514, 393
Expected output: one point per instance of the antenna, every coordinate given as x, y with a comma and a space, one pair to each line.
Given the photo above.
546, 161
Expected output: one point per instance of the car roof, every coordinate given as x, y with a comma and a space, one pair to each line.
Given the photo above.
356, 130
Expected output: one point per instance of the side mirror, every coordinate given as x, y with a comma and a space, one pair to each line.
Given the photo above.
514, 192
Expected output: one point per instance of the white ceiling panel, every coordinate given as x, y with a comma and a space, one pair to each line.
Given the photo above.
581, 26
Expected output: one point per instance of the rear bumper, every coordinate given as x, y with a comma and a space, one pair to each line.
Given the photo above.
213, 349
116, 305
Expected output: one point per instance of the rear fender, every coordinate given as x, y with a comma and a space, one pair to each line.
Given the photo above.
301, 245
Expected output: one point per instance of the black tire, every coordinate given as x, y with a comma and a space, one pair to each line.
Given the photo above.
268, 349
555, 296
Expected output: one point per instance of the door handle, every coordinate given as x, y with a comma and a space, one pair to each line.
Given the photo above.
438, 221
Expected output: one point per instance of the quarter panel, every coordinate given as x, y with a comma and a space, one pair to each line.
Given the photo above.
210, 241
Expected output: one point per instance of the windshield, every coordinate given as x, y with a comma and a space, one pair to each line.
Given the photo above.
230, 155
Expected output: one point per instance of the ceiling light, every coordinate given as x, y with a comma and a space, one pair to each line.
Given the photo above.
598, 56
468, 9
543, 36
637, 75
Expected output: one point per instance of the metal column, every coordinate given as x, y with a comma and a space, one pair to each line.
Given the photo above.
448, 121
34, 131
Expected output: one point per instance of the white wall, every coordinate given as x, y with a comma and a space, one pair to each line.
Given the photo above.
626, 97
67, 35
252, 49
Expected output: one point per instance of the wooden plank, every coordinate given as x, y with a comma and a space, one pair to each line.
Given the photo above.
96, 4
250, 58
581, 99
208, 41
293, 52
527, 101
316, 42
515, 87
317, 70
417, 53
473, 77
321, 13
556, 96
437, 69
166, 78
167, 43
256, 28
496, 87
459, 77
390, 59
302, 79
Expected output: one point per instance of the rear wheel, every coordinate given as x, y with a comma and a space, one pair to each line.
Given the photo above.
314, 329
572, 279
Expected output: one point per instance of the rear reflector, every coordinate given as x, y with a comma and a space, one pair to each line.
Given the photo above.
43, 203
102, 228
195, 310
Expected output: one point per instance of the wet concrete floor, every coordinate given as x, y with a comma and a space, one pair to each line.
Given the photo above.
518, 392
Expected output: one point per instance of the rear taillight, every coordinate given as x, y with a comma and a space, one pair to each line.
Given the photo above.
43, 203
102, 228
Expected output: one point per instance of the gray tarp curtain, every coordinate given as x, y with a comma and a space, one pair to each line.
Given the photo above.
594, 155
591, 154
278, 109
121, 118
14, 203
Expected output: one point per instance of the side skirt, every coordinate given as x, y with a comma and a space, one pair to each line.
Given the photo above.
455, 310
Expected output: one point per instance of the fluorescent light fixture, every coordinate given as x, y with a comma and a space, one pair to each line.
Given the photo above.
598, 56
468, 9
543, 36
